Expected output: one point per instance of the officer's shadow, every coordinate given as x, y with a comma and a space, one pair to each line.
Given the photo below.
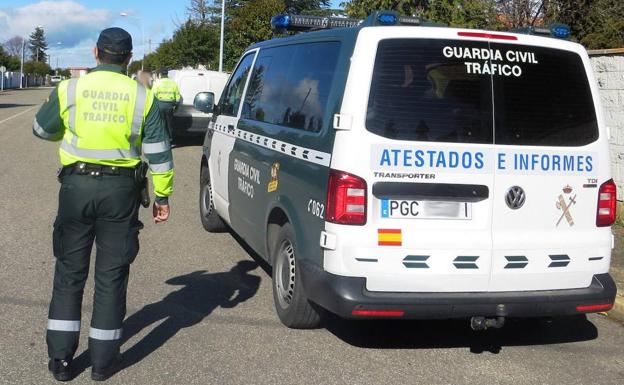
200, 294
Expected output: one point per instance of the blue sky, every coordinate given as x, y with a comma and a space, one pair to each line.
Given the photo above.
72, 26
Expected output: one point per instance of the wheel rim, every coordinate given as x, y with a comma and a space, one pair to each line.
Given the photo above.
285, 274
206, 200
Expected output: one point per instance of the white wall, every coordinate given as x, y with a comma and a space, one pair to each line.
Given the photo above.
609, 71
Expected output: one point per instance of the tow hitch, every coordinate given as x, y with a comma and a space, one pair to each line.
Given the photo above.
482, 323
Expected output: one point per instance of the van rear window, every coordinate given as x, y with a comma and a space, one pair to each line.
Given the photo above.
550, 104
419, 94
442, 91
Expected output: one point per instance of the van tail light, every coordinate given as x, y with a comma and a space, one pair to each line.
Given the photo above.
607, 199
377, 313
594, 308
346, 199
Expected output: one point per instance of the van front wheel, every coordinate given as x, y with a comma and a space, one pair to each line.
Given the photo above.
209, 217
292, 305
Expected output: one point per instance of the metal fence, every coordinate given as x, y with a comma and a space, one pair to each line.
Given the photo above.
12, 80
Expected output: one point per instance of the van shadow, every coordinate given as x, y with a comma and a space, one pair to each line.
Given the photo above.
200, 293
188, 140
395, 334
455, 333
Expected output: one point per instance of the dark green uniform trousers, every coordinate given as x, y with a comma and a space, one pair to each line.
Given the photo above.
103, 209
166, 111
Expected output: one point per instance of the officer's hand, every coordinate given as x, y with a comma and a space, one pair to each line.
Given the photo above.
160, 212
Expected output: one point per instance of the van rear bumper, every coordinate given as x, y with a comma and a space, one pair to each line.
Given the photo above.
342, 295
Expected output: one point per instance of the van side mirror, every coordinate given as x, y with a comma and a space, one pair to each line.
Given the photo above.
204, 102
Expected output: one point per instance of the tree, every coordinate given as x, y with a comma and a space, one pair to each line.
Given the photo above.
13, 46
36, 68
249, 24
192, 44
596, 24
4, 57
38, 45
303, 6
199, 10
520, 13
363, 8
469, 13
12, 63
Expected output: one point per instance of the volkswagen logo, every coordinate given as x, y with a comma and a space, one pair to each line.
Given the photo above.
515, 197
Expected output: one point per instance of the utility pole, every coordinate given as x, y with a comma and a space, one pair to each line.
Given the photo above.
221, 40
22, 64
125, 14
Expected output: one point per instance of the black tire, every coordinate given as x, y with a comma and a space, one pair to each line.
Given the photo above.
208, 215
291, 303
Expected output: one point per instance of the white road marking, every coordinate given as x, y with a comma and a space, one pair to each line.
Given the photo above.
18, 114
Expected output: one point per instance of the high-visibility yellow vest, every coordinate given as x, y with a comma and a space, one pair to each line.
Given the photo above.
166, 90
104, 113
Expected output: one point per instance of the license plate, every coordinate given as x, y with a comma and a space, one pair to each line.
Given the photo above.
408, 209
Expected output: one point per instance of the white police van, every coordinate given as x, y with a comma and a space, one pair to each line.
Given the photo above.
391, 168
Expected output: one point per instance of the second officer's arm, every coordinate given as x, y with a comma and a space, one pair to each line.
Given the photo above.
48, 124
157, 150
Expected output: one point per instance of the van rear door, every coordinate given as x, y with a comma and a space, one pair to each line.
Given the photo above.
429, 170
551, 159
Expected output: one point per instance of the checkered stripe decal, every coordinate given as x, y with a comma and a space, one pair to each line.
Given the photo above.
307, 154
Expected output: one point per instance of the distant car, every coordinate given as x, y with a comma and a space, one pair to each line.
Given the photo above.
56, 79
186, 119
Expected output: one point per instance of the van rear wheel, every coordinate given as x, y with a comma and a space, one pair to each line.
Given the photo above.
291, 303
209, 217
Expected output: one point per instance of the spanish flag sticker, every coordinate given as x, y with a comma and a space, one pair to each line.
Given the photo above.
389, 237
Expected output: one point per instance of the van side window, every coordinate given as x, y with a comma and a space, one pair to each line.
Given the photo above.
290, 85
233, 92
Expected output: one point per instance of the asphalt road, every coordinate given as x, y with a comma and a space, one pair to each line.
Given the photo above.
196, 319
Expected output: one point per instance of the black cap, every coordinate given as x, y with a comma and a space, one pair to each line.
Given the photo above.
115, 41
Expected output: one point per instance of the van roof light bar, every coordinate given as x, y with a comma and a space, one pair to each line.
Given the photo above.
288, 22
557, 30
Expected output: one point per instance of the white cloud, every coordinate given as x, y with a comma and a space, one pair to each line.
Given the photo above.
64, 21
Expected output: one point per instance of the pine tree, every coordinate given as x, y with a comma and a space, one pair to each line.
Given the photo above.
38, 45
199, 11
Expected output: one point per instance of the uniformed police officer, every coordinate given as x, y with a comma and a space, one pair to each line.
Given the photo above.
103, 120
168, 95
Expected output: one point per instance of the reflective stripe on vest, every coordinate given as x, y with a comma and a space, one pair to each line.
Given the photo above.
118, 153
137, 118
161, 167
71, 105
156, 148
135, 129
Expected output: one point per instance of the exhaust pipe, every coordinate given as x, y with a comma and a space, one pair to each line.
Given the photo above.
478, 323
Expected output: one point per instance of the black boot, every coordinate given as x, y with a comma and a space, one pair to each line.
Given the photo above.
60, 369
103, 374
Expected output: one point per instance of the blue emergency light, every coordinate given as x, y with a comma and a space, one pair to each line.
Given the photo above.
560, 31
386, 18
280, 22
